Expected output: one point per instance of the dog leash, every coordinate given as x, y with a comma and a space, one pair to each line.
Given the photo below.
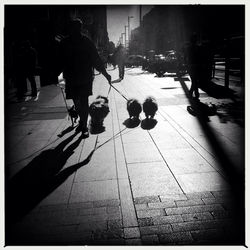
64, 98
119, 92
109, 90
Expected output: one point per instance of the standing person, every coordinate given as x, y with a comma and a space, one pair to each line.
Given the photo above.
78, 57
120, 57
194, 65
25, 65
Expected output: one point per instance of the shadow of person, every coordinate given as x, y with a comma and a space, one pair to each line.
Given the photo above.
132, 123
39, 178
148, 124
233, 172
217, 91
66, 131
232, 112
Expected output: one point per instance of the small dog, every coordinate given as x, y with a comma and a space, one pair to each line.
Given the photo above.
73, 114
98, 110
150, 107
134, 108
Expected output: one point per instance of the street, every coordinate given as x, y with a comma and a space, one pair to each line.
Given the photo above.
170, 183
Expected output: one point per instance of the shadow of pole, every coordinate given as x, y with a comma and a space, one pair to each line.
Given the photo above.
234, 176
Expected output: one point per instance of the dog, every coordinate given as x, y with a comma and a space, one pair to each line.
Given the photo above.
150, 107
134, 108
73, 114
98, 110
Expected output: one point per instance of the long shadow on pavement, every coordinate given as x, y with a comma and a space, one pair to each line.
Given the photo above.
235, 176
218, 91
39, 178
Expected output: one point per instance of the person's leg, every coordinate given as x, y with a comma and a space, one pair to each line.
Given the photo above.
82, 108
191, 90
196, 90
33, 85
20, 84
84, 102
194, 82
120, 70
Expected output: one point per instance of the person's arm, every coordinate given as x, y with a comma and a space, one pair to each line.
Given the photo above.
59, 57
97, 62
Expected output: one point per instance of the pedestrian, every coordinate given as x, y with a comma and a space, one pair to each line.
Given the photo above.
193, 59
120, 57
25, 61
111, 61
78, 57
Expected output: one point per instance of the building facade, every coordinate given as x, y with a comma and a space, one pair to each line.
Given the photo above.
169, 27
45, 26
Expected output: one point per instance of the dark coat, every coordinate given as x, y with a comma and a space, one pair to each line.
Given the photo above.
25, 61
78, 57
120, 55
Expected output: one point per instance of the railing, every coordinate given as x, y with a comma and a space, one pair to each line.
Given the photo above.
232, 67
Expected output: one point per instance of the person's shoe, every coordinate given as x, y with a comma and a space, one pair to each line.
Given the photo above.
79, 128
85, 133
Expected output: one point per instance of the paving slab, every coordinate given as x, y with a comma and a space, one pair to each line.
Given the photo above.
60, 195
141, 152
201, 182
96, 172
186, 161
148, 170
94, 190
161, 185
158, 186
136, 135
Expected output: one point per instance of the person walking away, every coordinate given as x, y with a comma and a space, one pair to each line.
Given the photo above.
77, 59
194, 66
120, 57
25, 66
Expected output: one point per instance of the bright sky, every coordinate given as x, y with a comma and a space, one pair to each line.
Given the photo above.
117, 18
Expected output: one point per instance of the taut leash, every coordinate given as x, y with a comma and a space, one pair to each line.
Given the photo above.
118, 92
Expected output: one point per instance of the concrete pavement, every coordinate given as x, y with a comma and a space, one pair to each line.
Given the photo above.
159, 185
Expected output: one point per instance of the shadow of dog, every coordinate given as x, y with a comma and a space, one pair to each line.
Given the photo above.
132, 122
148, 124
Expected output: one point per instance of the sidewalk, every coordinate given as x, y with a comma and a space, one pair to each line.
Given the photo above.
159, 186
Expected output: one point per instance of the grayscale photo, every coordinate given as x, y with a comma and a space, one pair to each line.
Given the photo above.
124, 125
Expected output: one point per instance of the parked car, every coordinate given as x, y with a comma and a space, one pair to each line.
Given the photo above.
135, 61
171, 62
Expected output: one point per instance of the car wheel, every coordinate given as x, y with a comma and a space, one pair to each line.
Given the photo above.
159, 73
